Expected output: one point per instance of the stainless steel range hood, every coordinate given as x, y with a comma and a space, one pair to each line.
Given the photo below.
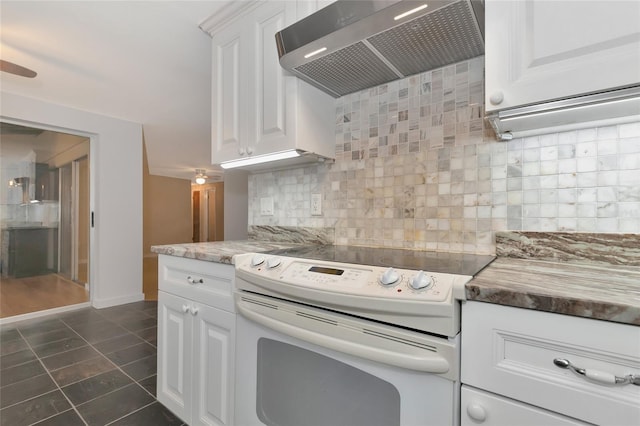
353, 45
360, 44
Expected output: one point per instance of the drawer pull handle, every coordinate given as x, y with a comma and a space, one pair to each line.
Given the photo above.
194, 280
599, 376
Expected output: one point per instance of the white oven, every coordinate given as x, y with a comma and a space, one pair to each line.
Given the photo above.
323, 343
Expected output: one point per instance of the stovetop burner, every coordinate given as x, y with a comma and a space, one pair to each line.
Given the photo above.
441, 262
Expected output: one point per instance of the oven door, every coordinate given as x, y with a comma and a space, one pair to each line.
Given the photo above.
302, 366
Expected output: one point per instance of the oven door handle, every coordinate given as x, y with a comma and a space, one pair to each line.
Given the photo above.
352, 342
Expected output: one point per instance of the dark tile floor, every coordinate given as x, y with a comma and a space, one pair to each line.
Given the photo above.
86, 367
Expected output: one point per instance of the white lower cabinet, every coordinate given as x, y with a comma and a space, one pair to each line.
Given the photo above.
196, 344
485, 408
512, 368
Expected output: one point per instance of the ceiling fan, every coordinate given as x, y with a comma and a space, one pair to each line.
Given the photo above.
16, 69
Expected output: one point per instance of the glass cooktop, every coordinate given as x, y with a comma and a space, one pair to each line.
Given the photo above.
432, 261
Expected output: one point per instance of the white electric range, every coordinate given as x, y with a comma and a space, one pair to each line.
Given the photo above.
350, 335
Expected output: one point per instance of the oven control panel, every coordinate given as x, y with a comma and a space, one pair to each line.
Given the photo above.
278, 273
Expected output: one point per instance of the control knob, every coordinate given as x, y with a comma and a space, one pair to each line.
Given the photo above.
420, 281
257, 259
273, 262
389, 277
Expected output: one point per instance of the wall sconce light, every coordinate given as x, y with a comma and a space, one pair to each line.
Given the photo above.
200, 176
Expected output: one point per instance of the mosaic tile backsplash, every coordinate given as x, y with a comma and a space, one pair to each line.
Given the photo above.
417, 167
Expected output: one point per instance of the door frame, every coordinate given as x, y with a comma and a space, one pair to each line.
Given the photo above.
208, 194
92, 158
116, 177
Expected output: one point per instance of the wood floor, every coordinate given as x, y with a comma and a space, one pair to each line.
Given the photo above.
32, 294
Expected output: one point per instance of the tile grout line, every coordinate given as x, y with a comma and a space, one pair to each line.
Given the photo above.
73, 406
128, 414
116, 366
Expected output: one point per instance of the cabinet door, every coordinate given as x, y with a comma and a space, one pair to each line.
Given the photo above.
540, 50
228, 89
29, 252
213, 366
511, 351
276, 92
492, 410
174, 354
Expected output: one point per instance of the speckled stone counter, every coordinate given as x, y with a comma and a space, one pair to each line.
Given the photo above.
587, 275
572, 247
292, 234
219, 251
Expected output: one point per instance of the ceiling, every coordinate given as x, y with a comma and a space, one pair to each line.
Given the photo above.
141, 61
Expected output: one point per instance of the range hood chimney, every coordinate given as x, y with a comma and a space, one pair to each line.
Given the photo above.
352, 45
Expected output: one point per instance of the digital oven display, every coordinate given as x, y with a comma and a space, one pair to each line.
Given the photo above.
322, 270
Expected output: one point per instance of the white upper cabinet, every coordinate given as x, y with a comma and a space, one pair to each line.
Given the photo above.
539, 50
273, 121
257, 107
227, 73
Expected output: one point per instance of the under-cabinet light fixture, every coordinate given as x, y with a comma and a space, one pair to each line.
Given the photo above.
593, 110
258, 159
541, 111
409, 12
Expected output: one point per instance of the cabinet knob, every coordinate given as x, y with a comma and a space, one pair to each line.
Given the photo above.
241, 151
249, 150
476, 412
195, 280
185, 308
496, 98
194, 310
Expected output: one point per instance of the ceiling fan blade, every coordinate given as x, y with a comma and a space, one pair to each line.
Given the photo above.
16, 69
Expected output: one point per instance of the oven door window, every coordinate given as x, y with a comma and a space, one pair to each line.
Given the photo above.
297, 387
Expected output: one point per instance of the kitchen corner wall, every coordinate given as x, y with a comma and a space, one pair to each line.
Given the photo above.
417, 167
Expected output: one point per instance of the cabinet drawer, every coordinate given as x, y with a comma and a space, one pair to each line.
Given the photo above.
205, 282
484, 408
511, 351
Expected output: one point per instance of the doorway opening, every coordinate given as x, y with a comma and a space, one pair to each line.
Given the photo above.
73, 263
208, 212
44, 218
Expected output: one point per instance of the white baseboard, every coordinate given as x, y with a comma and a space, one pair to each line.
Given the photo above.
115, 301
98, 304
44, 313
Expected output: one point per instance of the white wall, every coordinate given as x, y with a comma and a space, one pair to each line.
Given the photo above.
116, 191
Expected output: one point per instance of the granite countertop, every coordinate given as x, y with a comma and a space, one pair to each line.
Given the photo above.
28, 225
587, 275
220, 251
583, 286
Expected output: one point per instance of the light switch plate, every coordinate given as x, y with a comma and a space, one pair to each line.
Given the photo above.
316, 204
266, 206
